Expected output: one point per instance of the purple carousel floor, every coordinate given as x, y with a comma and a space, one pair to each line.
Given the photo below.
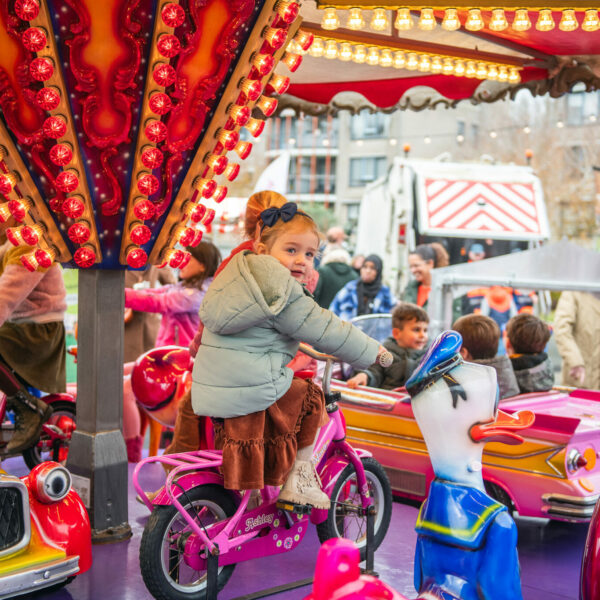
550, 555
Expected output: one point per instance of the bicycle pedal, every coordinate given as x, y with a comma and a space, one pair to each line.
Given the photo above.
298, 509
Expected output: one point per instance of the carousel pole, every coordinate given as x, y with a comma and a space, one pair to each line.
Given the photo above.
97, 456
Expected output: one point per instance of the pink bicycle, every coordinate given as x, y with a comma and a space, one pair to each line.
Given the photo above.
198, 530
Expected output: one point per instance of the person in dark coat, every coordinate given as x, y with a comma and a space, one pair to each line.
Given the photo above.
334, 273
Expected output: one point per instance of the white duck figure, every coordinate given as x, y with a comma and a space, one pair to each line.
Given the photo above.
466, 546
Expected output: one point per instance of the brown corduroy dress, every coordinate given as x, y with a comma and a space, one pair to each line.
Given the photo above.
260, 448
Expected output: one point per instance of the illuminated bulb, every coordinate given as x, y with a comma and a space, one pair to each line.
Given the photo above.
232, 171
278, 84
304, 39
502, 74
427, 21
451, 21
140, 234
275, 37
67, 181
436, 65
330, 20
403, 20
481, 71
164, 75
399, 60
27, 10
255, 126
379, 20
498, 21
156, 131
251, 88
85, 256
448, 66
29, 262
412, 61
45, 258
148, 184
459, 68
243, 149
34, 39
219, 194
206, 187
474, 20
7, 183
228, 139
79, 233
590, 21
521, 21
263, 63
471, 70
209, 217
568, 21
172, 14
317, 49
424, 63
168, 45
4, 213
386, 60
217, 163
189, 237
73, 207
288, 11
54, 127
360, 54
136, 257
13, 234
160, 103
151, 157
197, 213
267, 105
331, 49
345, 52
239, 114
355, 19
175, 258
373, 57
61, 154
47, 98
32, 234
492, 72
41, 69
291, 61
545, 21
143, 209
513, 76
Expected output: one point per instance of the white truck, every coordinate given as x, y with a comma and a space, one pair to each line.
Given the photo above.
421, 200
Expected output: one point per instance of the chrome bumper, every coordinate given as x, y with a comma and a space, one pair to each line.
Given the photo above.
37, 578
573, 508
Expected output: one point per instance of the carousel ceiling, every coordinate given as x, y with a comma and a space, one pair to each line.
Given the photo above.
387, 56
119, 119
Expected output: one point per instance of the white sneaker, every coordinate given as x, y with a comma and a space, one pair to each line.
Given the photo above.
303, 486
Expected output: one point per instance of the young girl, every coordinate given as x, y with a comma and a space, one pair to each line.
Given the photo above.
254, 315
179, 304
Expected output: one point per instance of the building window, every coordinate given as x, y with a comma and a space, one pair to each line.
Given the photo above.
366, 125
366, 169
475, 131
582, 107
312, 175
311, 132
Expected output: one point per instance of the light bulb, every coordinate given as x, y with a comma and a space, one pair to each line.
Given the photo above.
545, 22
448, 66
355, 19
412, 61
498, 21
590, 21
474, 20
373, 57
386, 60
303, 39
317, 49
513, 76
331, 49
459, 68
360, 54
399, 60
481, 71
451, 21
521, 21
427, 21
424, 63
379, 20
403, 20
330, 19
436, 64
345, 52
471, 69
492, 72
568, 21
503, 74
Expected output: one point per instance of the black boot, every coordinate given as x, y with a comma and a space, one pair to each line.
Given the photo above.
30, 413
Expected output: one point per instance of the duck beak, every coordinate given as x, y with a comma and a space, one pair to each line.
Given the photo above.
503, 428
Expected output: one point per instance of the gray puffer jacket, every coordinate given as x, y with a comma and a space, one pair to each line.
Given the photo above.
254, 314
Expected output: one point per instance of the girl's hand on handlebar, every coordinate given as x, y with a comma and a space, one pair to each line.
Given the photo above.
384, 357
359, 379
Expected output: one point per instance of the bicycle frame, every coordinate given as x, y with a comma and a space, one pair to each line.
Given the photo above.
232, 539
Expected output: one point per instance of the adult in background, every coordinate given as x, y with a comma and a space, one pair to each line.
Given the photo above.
577, 332
421, 261
365, 295
334, 273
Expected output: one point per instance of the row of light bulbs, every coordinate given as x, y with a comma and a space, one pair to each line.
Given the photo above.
451, 22
426, 63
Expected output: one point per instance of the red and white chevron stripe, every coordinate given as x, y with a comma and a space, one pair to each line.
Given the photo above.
477, 205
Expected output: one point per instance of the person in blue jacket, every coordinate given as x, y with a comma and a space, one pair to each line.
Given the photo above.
467, 541
365, 295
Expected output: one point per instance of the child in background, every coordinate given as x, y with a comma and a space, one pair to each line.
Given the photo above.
480, 336
407, 345
179, 304
526, 338
254, 315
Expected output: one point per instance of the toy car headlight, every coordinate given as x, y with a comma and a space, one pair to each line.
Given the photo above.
50, 482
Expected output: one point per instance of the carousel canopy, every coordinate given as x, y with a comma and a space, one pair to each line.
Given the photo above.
389, 55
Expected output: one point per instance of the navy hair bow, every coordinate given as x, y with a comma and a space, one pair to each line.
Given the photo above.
286, 213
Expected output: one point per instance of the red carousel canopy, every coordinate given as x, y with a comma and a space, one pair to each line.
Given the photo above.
402, 56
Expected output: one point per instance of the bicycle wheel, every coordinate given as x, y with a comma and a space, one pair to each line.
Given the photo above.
342, 521
162, 547
62, 417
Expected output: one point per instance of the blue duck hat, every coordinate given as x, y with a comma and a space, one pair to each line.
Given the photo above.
442, 356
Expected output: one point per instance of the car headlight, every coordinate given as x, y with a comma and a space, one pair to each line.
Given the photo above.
50, 482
